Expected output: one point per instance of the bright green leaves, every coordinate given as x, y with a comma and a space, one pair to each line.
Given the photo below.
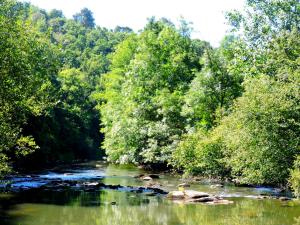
213, 89
25, 146
264, 26
144, 94
200, 153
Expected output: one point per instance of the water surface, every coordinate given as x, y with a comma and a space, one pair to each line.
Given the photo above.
122, 207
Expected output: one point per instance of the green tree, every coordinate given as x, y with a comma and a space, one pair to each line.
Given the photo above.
85, 17
260, 23
261, 135
257, 141
213, 89
200, 153
28, 67
262, 19
294, 179
142, 118
70, 129
54, 13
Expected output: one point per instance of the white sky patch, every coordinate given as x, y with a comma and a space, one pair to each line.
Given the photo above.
207, 16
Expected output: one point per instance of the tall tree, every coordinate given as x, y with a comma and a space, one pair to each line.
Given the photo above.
85, 17
214, 88
260, 22
28, 67
142, 119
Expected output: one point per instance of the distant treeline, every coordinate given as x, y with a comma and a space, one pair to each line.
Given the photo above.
156, 97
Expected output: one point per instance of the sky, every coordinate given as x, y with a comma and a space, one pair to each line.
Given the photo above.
207, 16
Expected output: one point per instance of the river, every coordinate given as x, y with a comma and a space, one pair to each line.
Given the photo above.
122, 206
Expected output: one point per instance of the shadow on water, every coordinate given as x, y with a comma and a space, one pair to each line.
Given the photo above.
7, 204
16, 207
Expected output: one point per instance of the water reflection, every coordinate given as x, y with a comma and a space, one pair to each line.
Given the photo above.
117, 207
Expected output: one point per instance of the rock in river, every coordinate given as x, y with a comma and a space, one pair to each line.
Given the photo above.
183, 185
176, 195
187, 194
191, 196
195, 194
284, 199
147, 178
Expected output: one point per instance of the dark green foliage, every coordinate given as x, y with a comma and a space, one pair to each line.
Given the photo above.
294, 179
28, 67
85, 18
37, 100
123, 29
54, 13
70, 130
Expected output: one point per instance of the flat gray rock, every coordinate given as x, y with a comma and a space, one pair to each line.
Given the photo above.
195, 194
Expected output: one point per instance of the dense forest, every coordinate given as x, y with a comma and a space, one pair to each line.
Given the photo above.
72, 90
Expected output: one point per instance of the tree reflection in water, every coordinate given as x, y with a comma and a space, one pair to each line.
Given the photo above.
117, 207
